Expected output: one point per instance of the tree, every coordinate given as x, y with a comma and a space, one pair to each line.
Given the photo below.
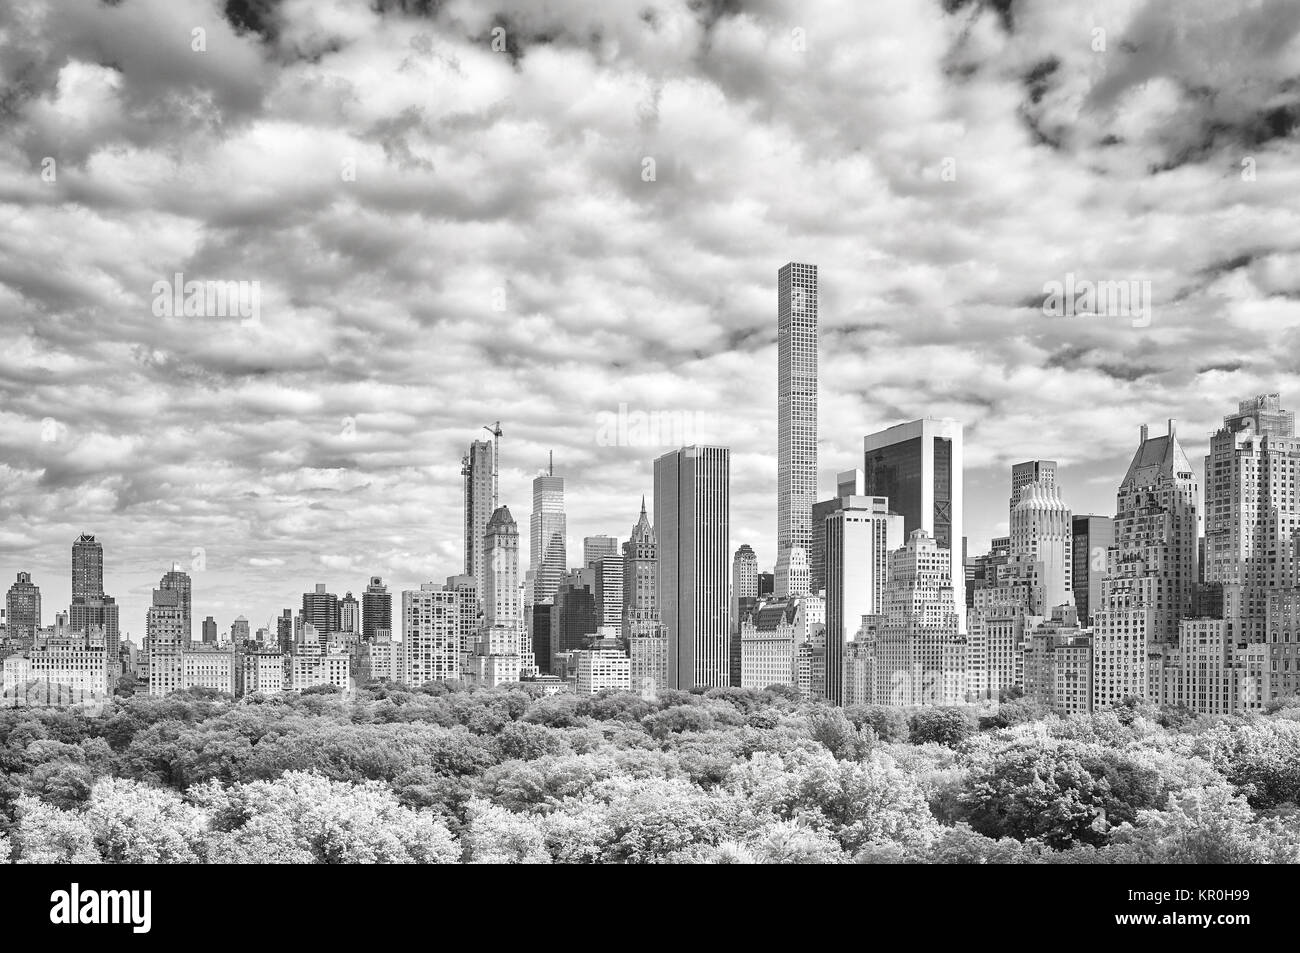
831, 729
1206, 826
943, 726
494, 835
47, 835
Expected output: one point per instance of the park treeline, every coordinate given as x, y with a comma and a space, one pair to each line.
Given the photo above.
441, 774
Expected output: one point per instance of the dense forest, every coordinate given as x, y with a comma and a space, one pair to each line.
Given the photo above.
445, 775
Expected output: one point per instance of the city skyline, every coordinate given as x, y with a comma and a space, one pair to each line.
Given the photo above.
965, 161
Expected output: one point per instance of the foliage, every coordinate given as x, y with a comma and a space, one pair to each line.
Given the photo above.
443, 774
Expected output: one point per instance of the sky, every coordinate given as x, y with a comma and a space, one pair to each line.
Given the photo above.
551, 214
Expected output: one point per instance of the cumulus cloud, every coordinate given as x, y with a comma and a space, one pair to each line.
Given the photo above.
445, 234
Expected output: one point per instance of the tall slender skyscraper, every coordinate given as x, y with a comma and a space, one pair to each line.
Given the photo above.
918, 466
547, 527
376, 609
640, 579
692, 491
1151, 569
796, 414
479, 468
502, 603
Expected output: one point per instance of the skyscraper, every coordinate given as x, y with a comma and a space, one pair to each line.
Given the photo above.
479, 468
23, 608
860, 535
1151, 568
1093, 536
595, 547
1042, 533
1252, 509
847, 483
166, 637
640, 579
87, 569
918, 466
376, 609
796, 413
90, 607
502, 603
920, 658
349, 614
179, 581
547, 527
209, 631
321, 609
574, 616
744, 583
609, 591
692, 492
1031, 471
431, 637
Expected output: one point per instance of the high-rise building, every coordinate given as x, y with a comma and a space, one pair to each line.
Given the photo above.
1042, 472
179, 580
640, 579
321, 609
609, 591
744, 582
692, 492
376, 609
431, 634
1252, 509
479, 468
594, 548
648, 661
166, 638
350, 614
284, 631
574, 615
1093, 537
209, 631
541, 633
90, 608
1042, 535
796, 414
1151, 571
547, 527
860, 535
503, 606
1058, 664
766, 584
239, 631
87, 569
918, 466
470, 618
847, 483
920, 657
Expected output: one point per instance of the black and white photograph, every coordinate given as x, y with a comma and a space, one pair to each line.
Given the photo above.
651, 432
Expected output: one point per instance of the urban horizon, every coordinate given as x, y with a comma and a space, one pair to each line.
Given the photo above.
52, 584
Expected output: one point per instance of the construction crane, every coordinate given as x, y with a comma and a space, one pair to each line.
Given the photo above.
495, 431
